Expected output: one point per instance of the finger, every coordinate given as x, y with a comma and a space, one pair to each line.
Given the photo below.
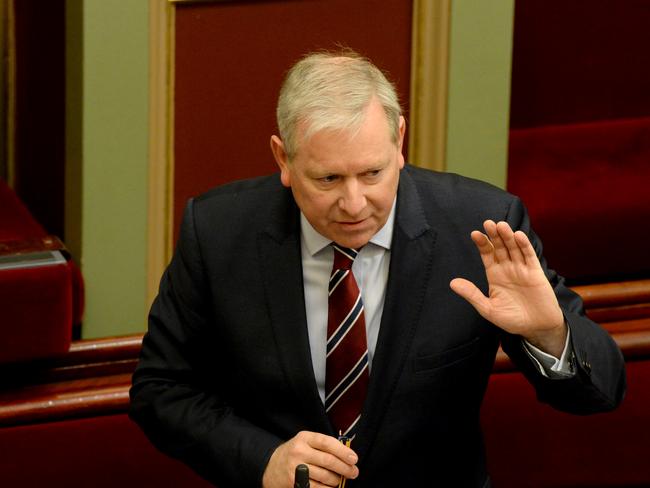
328, 453
470, 292
527, 250
500, 249
329, 468
333, 446
508, 238
485, 248
316, 484
323, 476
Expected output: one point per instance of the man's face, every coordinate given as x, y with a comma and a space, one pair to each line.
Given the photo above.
345, 186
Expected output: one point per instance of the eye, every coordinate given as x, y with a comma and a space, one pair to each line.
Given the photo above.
328, 179
372, 173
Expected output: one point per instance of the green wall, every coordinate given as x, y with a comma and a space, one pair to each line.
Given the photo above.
114, 135
479, 88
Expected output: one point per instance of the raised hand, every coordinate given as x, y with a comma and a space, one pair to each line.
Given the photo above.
521, 300
326, 458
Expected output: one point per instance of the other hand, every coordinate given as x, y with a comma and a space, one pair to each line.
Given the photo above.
327, 459
520, 298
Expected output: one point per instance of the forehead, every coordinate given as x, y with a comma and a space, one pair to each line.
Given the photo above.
369, 142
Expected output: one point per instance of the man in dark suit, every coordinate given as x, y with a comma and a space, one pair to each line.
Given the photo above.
232, 376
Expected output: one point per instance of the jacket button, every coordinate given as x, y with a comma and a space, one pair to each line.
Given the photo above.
586, 365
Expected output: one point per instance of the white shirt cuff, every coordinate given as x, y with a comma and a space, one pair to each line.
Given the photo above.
549, 365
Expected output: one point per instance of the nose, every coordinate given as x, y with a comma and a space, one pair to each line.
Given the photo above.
353, 200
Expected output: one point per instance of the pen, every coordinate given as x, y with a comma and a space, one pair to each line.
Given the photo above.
302, 476
347, 441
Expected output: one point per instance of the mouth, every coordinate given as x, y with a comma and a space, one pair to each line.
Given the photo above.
351, 224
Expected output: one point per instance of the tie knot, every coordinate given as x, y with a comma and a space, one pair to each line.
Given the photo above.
344, 256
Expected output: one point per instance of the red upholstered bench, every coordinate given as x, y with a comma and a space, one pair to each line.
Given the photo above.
530, 445
40, 299
587, 189
102, 452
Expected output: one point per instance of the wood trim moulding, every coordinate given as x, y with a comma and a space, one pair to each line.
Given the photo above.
9, 24
105, 349
429, 83
614, 294
631, 312
635, 345
616, 302
92, 358
82, 398
161, 142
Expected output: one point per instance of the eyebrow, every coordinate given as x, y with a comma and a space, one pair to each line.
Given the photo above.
379, 165
321, 172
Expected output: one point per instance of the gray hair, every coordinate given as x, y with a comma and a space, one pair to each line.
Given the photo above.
331, 91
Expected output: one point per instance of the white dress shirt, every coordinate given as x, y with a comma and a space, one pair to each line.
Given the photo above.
370, 269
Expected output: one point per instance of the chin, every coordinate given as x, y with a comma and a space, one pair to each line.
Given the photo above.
354, 242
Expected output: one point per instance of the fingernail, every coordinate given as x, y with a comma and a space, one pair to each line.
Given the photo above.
353, 459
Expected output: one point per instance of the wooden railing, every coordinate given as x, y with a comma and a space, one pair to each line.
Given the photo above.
94, 377
622, 308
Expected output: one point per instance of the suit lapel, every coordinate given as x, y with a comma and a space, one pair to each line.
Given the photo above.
279, 247
412, 251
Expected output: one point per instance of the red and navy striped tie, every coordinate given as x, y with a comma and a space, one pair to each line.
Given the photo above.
346, 378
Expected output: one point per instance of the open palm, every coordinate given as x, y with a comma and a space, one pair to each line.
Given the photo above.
521, 300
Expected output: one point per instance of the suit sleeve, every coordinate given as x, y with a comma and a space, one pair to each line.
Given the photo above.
599, 381
173, 397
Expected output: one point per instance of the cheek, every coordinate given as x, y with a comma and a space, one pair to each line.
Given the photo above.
317, 205
325, 205
382, 197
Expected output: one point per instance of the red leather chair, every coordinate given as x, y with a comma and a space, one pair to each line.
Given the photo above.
41, 289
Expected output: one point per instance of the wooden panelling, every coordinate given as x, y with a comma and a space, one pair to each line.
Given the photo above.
229, 61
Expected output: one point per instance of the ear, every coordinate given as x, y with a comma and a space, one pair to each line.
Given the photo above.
400, 142
281, 158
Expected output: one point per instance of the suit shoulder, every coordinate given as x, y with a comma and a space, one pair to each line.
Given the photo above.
243, 203
451, 188
251, 188
254, 194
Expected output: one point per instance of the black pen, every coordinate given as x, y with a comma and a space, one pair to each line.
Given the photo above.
302, 476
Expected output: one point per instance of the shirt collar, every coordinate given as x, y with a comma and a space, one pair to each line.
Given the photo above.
315, 242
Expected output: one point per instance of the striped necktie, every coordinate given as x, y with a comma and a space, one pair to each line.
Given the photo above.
346, 377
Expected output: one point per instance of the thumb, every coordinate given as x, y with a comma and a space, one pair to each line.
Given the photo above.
470, 292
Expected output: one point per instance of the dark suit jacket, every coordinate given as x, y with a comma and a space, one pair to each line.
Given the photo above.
225, 374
